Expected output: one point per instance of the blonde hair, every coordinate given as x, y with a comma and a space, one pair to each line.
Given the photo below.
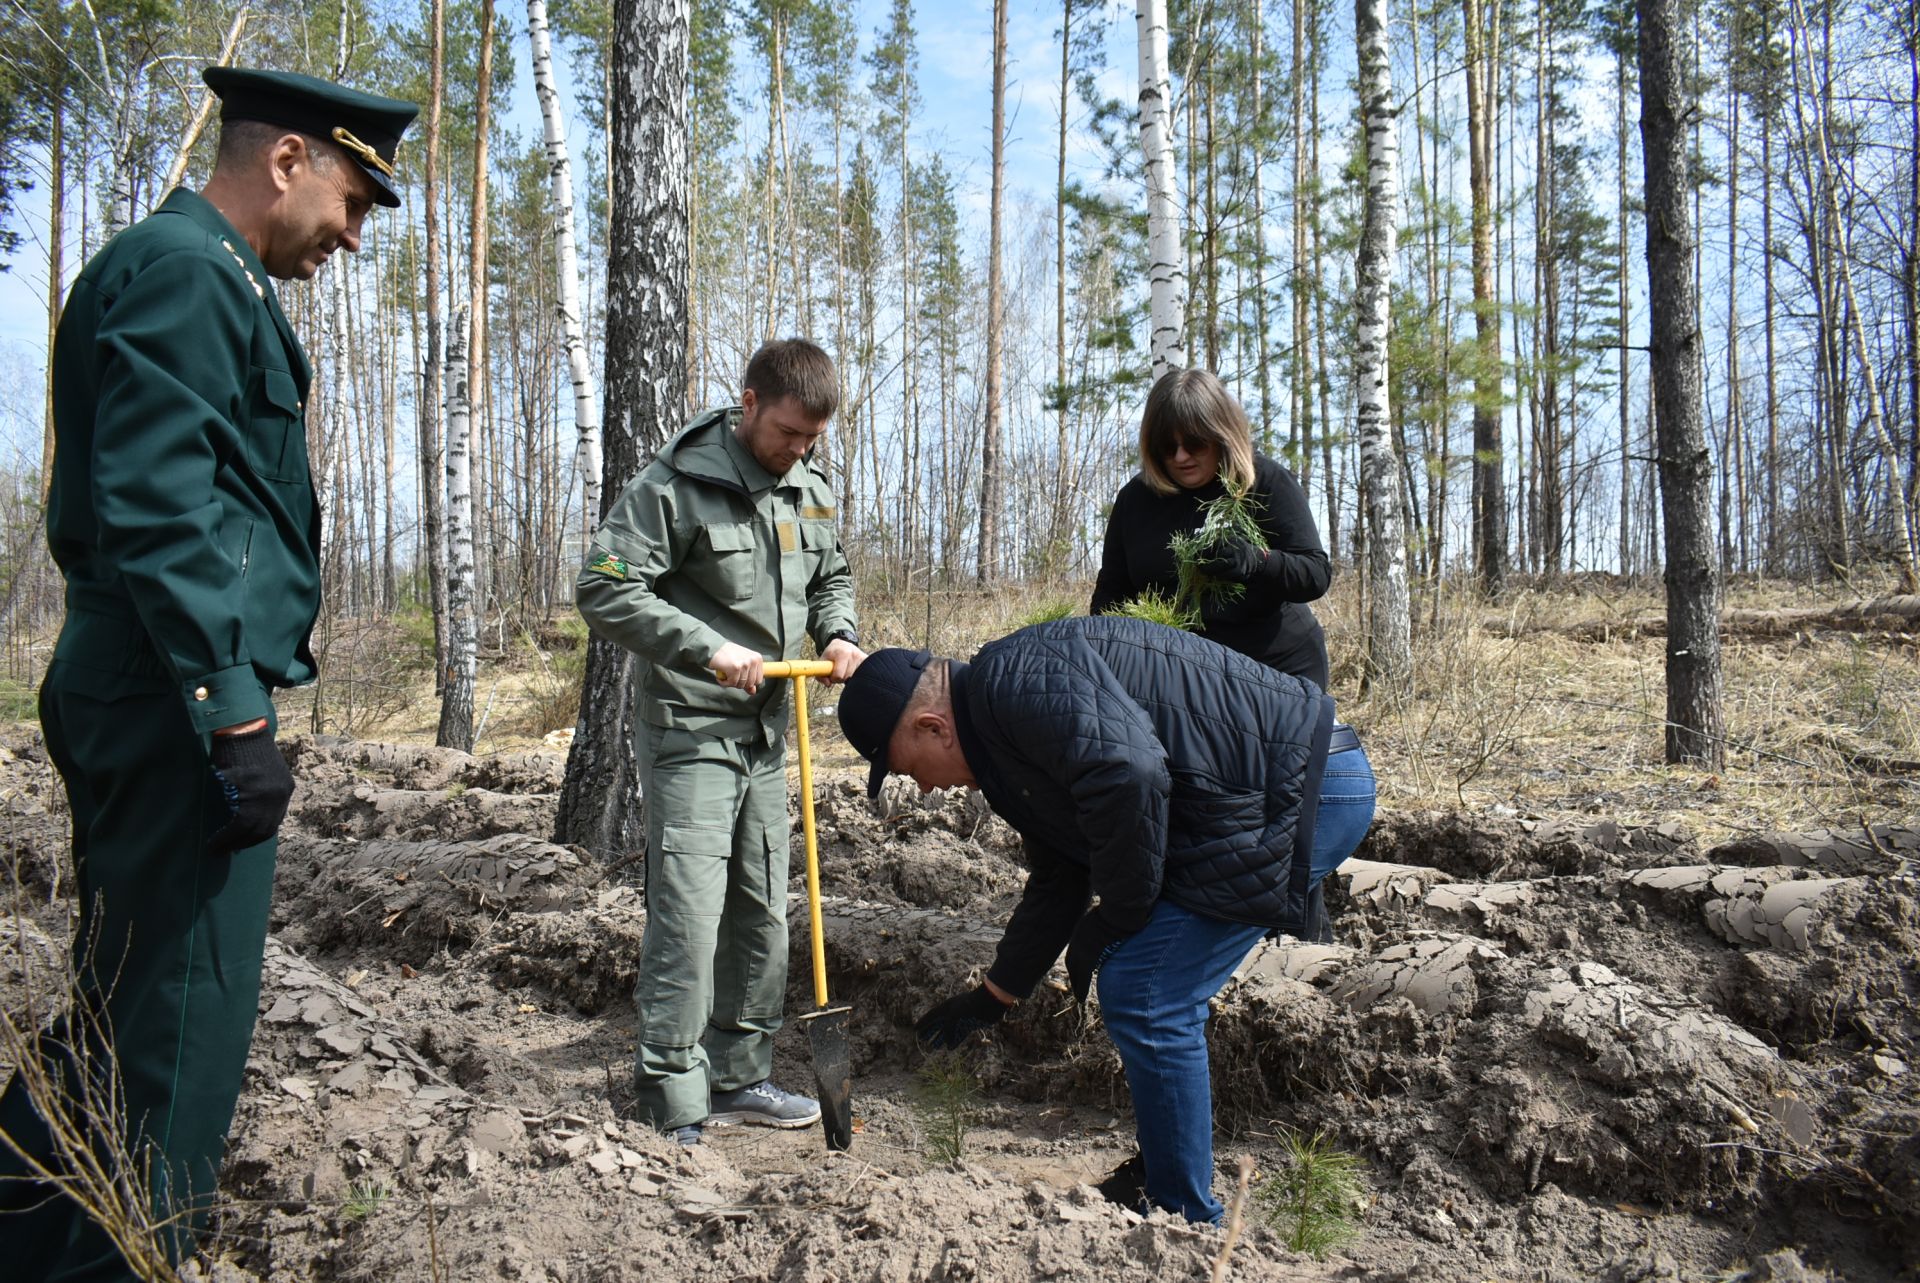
1194, 406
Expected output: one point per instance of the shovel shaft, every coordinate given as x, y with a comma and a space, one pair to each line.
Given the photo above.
813, 850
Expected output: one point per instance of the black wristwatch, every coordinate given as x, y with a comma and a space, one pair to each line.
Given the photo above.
846, 635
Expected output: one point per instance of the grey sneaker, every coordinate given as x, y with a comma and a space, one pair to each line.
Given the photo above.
765, 1104
686, 1137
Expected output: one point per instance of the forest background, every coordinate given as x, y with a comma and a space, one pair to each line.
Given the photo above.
837, 173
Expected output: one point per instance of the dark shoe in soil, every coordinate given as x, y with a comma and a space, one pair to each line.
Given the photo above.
686, 1137
1127, 1184
765, 1105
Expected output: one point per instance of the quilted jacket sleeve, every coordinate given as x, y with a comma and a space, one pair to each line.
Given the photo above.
1050, 907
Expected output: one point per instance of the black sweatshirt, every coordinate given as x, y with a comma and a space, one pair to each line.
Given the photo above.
1269, 622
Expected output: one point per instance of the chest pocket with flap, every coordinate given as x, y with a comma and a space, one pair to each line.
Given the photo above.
275, 431
725, 560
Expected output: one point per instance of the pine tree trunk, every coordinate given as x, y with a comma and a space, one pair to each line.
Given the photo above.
1694, 731
1389, 642
1489, 493
1056, 558
56, 269
433, 512
1624, 392
646, 376
1166, 260
992, 482
586, 405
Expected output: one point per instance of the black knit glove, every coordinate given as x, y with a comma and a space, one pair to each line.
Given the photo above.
1232, 559
1092, 941
959, 1018
257, 785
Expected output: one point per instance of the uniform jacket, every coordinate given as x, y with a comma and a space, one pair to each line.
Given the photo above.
181, 510
1269, 621
1138, 761
704, 547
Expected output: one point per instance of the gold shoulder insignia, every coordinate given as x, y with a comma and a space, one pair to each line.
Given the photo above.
609, 565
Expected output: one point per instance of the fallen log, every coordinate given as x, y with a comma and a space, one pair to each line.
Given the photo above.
1895, 615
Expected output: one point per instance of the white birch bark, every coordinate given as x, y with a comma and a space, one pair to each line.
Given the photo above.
586, 403
1166, 260
1389, 645
178, 170
463, 641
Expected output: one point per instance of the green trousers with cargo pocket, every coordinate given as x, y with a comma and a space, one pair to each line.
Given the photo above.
713, 961
167, 956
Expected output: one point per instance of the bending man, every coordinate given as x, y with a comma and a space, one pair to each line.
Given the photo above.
1169, 777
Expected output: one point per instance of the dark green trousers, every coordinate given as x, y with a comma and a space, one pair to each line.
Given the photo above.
167, 957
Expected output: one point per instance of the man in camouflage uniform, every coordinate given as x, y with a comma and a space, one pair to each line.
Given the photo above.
721, 554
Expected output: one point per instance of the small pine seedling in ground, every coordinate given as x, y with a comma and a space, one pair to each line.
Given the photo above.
946, 1103
364, 1198
1315, 1203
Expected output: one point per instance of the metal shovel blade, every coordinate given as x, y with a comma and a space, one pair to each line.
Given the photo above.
833, 1071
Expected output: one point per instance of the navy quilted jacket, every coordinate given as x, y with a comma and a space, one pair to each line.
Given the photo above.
1138, 762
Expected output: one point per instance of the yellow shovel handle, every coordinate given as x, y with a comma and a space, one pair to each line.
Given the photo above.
806, 823
798, 668
801, 668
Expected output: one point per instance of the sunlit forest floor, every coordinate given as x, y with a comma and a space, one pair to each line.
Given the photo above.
1551, 701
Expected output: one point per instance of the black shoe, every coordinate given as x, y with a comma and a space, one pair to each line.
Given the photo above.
1127, 1184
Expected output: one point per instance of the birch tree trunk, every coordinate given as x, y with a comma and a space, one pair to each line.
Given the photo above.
586, 405
992, 465
646, 366
1166, 260
1389, 622
463, 641
463, 606
1694, 731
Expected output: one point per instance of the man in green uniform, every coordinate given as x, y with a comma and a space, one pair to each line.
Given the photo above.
183, 517
720, 555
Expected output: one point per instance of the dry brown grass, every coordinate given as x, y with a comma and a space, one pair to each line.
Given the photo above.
1507, 712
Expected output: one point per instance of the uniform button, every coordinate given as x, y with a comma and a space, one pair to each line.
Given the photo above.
199, 692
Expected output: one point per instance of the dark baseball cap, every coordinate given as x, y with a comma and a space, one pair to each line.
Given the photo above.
872, 701
365, 126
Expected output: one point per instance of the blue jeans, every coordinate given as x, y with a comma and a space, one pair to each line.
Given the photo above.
1346, 812
1154, 989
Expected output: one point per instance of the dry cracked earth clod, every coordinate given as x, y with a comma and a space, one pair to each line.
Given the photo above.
1562, 1049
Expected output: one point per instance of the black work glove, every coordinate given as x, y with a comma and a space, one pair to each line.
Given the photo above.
1232, 559
257, 785
959, 1018
1092, 941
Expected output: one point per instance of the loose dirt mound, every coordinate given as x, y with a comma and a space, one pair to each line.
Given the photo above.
1562, 1050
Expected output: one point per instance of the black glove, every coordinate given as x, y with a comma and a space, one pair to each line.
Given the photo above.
959, 1018
1092, 941
1233, 559
257, 784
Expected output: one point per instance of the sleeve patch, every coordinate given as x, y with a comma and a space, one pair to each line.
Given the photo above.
609, 565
